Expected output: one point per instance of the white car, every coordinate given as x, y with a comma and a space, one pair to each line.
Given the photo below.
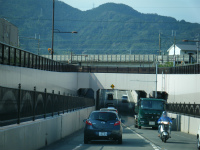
125, 99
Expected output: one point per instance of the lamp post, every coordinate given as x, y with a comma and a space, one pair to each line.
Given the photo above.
197, 42
57, 31
52, 50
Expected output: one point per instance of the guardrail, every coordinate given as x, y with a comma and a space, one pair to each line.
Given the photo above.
183, 108
17, 105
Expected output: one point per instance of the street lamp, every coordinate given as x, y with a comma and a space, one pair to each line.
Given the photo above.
53, 31
58, 31
197, 42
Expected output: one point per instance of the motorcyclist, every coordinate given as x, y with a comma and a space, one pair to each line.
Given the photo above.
164, 117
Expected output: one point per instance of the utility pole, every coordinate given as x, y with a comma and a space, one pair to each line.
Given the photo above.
197, 43
174, 34
159, 44
52, 50
38, 43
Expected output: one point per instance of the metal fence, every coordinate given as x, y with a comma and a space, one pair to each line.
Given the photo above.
189, 69
121, 58
185, 109
14, 56
17, 105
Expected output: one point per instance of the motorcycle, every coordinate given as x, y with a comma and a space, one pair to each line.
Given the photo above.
164, 130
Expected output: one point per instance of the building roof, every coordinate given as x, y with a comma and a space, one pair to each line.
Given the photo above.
187, 47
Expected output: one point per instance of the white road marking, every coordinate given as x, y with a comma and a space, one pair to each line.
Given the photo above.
77, 147
153, 145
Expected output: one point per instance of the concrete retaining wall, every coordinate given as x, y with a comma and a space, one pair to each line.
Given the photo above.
36, 134
180, 87
184, 123
64, 82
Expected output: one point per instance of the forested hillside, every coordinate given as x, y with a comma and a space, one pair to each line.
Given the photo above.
108, 29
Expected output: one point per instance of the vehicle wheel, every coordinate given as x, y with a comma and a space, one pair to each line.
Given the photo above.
120, 140
136, 126
198, 144
86, 140
139, 127
165, 139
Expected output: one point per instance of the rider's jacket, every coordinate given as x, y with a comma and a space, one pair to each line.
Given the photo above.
164, 119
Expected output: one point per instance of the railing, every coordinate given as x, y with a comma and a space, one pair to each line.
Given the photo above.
120, 58
185, 109
14, 56
17, 105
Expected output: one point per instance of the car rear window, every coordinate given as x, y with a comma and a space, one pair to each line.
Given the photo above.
106, 116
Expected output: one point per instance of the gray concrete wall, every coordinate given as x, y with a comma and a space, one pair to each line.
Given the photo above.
11, 76
34, 135
180, 87
187, 124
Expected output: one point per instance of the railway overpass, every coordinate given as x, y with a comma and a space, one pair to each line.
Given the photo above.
122, 60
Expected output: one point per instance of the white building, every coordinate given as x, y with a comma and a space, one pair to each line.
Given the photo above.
182, 49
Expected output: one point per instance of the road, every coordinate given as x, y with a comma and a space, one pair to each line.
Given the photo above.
133, 138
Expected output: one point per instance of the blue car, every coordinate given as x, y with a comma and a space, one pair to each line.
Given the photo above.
103, 125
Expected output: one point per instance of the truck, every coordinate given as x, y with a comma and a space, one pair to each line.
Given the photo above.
148, 111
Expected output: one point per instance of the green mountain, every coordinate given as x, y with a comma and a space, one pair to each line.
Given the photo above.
108, 29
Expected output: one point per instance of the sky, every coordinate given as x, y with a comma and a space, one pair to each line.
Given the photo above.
188, 10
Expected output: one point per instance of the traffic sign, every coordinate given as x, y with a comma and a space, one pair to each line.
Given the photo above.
112, 86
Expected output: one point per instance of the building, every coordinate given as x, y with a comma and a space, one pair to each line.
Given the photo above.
8, 33
190, 50
182, 49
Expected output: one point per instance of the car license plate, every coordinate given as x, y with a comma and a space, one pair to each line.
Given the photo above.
102, 133
151, 122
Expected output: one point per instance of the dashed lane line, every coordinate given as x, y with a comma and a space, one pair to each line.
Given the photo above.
146, 140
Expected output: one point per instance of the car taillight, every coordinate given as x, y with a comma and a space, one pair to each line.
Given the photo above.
88, 122
116, 111
117, 123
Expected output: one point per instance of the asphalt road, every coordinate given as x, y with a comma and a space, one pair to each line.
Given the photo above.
133, 138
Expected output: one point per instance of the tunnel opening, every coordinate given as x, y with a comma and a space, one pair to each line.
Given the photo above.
114, 98
141, 94
86, 92
160, 95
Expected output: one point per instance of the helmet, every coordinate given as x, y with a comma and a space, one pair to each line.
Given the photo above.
164, 114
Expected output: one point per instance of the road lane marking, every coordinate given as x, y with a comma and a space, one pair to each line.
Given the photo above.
146, 140
77, 147
117, 98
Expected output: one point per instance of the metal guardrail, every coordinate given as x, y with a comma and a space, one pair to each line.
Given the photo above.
17, 105
186, 109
